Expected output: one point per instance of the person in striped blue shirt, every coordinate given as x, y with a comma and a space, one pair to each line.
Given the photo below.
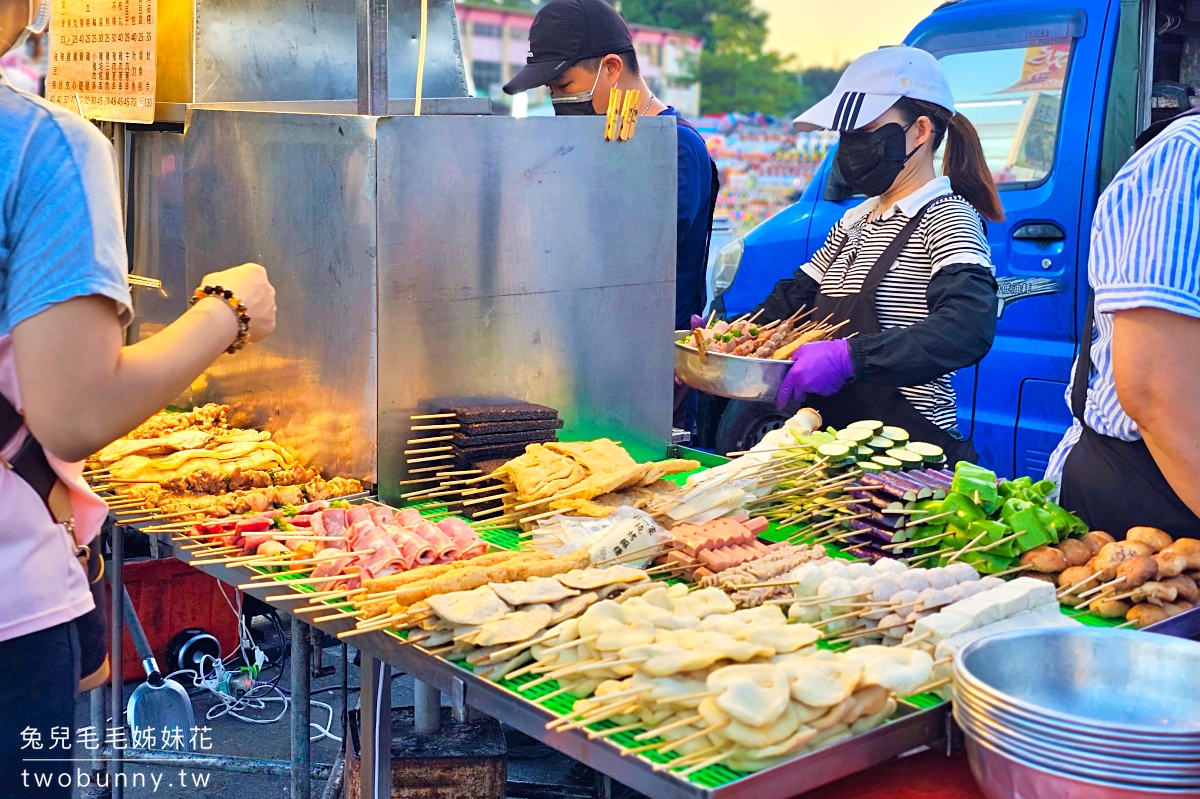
1132, 456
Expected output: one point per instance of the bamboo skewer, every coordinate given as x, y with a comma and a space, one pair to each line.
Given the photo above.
1099, 588
932, 686
674, 725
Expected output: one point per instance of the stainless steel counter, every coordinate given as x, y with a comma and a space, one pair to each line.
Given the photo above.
913, 729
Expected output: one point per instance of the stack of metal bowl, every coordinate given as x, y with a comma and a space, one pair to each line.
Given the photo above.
1068, 713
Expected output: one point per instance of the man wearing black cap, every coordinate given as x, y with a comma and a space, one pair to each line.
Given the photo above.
581, 49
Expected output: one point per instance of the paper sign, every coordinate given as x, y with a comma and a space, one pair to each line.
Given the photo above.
102, 56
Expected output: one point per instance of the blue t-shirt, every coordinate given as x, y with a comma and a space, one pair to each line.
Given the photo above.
61, 234
691, 237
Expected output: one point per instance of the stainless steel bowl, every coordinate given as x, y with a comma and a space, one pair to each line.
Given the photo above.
1085, 678
1113, 769
729, 375
1139, 749
1002, 776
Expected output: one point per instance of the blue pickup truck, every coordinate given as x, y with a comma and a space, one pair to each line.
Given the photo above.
1058, 91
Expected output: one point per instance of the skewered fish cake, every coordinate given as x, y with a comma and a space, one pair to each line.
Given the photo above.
469, 608
590, 579
820, 682
900, 671
519, 625
538, 590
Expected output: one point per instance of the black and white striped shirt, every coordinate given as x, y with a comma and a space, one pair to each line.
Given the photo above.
950, 233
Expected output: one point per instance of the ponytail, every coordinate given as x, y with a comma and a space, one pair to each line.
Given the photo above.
963, 162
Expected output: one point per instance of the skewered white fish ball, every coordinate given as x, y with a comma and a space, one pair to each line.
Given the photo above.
883, 589
934, 598
912, 581
956, 592
808, 580
837, 588
888, 566
962, 572
806, 614
893, 626
862, 584
835, 568
990, 582
905, 596
938, 578
859, 570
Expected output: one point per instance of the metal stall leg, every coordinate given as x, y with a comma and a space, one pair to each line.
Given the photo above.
117, 694
301, 711
375, 699
427, 708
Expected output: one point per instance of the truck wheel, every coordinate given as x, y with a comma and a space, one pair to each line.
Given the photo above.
745, 423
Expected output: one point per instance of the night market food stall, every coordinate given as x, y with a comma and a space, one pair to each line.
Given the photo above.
455, 454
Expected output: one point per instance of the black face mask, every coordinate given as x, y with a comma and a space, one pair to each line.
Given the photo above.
870, 161
578, 104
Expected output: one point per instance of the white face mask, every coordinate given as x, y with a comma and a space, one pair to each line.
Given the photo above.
39, 20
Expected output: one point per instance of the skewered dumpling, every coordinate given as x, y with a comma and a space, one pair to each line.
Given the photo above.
819, 682
900, 671
754, 695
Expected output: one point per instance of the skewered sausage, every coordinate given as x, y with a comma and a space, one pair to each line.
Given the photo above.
1145, 614
1096, 539
1170, 564
1075, 551
1137, 571
1044, 559
1110, 608
1151, 536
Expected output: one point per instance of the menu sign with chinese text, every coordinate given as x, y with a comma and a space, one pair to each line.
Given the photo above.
102, 56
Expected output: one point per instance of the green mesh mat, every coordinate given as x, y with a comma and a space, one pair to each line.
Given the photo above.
560, 704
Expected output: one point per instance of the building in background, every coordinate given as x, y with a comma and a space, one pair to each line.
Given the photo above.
495, 41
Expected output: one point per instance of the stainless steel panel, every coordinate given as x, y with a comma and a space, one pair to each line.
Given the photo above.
295, 192
476, 106
156, 229
527, 259
247, 50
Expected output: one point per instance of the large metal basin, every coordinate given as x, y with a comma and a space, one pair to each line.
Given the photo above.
1002, 776
729, 375
1086, 679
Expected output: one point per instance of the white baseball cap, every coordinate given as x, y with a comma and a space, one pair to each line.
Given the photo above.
873, 83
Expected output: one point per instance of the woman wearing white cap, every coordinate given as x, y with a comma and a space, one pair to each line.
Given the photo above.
909, 270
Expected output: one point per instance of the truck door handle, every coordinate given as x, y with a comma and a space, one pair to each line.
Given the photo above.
1039, 231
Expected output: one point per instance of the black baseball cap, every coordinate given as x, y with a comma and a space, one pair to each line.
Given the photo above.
565, 32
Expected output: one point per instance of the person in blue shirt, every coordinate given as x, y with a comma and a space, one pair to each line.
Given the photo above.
1132, 456
581, 49
69, 387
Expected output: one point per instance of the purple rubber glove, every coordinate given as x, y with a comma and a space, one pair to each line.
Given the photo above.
821, 367
696, 322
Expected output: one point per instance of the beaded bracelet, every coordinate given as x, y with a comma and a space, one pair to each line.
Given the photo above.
220, 293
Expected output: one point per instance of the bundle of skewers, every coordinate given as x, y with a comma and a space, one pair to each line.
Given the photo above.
776, 340
468, 439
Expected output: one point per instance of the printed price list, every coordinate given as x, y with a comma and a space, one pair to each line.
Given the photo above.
102, 57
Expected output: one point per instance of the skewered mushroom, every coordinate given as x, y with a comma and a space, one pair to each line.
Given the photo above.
1075, 551
1110, 608
1189, 548
1145, 614
1045, 559
1185, 587
1170, 564
1150, 536
1096, 539
1137, 571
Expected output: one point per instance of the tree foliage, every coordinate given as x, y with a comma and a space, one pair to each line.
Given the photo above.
735, 70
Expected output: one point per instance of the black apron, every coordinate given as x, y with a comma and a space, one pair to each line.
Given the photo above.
857, 401
1113, 484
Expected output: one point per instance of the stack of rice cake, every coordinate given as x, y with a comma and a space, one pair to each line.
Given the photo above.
494, 434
